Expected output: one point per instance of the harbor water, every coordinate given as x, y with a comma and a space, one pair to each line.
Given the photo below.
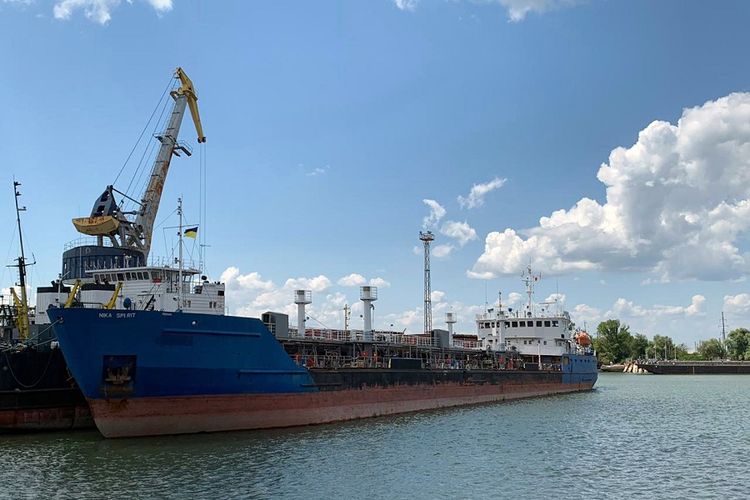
634, 436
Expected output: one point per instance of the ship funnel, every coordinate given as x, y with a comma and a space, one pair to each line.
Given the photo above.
450, 318
368, 295
301, 298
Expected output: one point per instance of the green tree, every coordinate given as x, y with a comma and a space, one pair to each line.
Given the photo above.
738, 344
711, 349
661, 347
613, 341
681, 352
637, 346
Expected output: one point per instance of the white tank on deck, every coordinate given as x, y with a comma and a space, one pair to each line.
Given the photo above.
450, 318
368, 294
301, 298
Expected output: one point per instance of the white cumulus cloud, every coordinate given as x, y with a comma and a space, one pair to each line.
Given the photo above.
476, 195
380, 282
353, 279
514, 298
99, 11
677, 205
586, 315
519, 9
252, 281
442, 251
737, 305
626, 308
409, 5
437, 212
316, 284
460, 231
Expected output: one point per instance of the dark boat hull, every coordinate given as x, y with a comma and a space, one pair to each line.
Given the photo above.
698, 368
44, 410
38, 394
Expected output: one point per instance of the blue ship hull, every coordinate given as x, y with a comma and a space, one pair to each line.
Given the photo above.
149, 372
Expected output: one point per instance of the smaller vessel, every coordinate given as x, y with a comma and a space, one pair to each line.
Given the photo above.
36, 390
667, 367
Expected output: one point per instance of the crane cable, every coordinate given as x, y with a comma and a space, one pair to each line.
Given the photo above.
149, 150
166, 89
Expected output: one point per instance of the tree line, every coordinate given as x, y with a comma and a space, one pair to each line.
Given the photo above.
614, 343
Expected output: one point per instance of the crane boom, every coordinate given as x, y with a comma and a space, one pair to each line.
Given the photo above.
107, 220
188, 90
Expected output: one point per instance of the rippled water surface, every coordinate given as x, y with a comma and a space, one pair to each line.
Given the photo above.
634, 436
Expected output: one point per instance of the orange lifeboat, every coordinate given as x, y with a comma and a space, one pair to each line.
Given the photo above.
583, 339
101, 225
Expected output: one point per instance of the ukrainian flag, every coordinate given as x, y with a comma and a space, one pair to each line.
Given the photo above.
191, 232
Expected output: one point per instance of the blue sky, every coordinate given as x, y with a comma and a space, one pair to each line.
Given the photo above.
329, 123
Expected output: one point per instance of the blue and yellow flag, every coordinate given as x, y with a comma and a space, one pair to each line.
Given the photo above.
191, 232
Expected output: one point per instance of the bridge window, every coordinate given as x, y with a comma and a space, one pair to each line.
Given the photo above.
120, 277
515, 324
538, 323
545, 342
546, 323
554, 323
507, 324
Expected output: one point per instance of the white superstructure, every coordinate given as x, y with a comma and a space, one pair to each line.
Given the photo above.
535, 331
160, 289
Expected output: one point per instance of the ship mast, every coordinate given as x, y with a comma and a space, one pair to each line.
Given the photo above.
22, 304
179, 269
528, 278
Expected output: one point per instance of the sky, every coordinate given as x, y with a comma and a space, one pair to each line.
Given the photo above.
604, 143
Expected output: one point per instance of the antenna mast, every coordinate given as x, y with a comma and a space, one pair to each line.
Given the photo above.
528, 278
347, 315
23, 306
427, 237
179, 269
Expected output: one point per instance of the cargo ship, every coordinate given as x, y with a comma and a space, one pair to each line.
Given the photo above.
154, 352
167, 360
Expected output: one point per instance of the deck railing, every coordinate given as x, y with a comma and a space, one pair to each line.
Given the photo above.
387, 337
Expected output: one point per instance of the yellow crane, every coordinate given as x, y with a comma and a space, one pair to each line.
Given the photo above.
188, 91
113, 300
72, 294
22, 308
107, 220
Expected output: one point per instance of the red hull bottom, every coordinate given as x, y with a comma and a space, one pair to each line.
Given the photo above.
45, 419
192, 414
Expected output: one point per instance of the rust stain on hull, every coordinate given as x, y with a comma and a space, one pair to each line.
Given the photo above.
191, 414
